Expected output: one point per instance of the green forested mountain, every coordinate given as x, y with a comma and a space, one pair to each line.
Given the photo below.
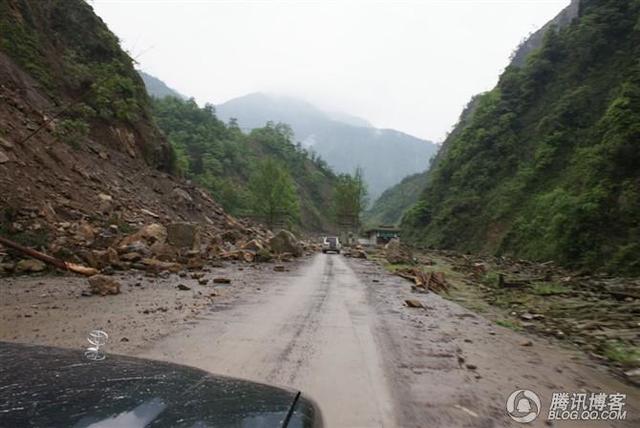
386, 156
225, 160
391, 205
548, 164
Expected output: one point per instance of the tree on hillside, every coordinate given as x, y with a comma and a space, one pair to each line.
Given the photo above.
349, 200
273, 194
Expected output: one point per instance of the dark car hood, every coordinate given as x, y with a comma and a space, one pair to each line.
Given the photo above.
43, 386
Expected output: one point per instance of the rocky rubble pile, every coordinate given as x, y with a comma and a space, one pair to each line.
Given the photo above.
396, 253
153, 247
95, 201
598, 313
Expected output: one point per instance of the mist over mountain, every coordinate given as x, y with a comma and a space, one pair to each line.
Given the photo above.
344, 142
157, 88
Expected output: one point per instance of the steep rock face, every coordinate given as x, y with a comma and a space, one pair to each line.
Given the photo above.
546, 166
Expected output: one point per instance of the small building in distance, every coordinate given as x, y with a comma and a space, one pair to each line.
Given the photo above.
380, 235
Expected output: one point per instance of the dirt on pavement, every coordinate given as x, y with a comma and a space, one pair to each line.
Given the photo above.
338, 329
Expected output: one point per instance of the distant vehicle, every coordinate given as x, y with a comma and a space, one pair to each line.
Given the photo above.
53, 387
331, 243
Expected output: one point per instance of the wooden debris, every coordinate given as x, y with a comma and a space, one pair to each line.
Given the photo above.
433, 281
60, 264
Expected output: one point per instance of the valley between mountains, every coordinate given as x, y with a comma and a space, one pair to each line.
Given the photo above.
505, 257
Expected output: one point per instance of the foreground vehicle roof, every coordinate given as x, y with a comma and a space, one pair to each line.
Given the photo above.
45, 386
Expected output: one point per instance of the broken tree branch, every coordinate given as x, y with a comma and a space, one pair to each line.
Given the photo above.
60, 264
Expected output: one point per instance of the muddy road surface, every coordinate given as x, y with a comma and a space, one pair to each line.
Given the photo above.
338, 330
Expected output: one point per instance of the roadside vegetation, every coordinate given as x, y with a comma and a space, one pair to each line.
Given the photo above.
546, 166
350, 198
392, 204
262, 174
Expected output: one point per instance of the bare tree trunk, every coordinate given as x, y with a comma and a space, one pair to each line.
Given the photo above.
60, 264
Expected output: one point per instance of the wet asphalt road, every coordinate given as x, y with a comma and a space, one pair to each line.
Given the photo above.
315, 333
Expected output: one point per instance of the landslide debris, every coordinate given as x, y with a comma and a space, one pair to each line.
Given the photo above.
595, 312
85, 175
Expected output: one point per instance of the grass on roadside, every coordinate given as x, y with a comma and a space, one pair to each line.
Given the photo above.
513, 325
622, 353
548, 288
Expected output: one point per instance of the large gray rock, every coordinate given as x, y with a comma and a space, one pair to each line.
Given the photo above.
285, 242
184, 235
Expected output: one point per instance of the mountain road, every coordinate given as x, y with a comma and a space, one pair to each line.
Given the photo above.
338, 330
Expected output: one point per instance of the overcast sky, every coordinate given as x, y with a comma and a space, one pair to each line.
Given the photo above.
408, 65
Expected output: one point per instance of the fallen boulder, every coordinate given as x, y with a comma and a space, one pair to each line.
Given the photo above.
358, 254
103, 258
30, 266
245, 255
264, 255
396, 254
412, 303
184, 235
150, 234
105, 203
285, 242
181, 197
103, 285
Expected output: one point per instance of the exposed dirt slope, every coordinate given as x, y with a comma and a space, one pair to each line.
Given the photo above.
81, 162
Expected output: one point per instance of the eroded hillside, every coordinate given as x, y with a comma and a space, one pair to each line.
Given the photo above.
81, 162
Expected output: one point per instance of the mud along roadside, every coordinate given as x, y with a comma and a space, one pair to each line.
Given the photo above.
59, 311
450, 366
595, 314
